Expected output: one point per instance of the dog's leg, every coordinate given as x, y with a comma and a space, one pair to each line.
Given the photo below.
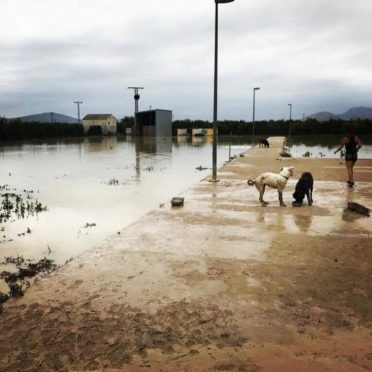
261, 195
310, 197
280, 193
262, 191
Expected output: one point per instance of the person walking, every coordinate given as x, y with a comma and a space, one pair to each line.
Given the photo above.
352, 145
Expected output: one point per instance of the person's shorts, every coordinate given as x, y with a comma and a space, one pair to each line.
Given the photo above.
351, 157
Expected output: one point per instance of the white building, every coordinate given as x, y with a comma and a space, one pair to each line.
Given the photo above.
107, 122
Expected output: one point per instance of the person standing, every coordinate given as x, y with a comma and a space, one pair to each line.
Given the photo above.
352, 145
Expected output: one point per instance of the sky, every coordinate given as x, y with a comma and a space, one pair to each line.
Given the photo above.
314, 54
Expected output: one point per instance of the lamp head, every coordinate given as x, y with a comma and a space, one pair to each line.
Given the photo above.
257, 88
223, 1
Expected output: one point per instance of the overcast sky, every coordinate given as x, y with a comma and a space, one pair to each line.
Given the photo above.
315, 54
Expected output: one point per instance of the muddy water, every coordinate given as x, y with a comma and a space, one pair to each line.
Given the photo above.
94, 187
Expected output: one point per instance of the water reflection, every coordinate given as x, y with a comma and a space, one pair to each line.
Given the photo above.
201, 140
274, 220
181, 139
152, 145
101, 143
105, 182
145, 146
303, 222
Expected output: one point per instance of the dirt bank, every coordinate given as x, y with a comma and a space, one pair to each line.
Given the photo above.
221, 284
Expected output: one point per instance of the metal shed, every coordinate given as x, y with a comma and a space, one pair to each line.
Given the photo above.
156, 123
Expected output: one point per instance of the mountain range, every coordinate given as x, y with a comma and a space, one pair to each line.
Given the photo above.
351, 114
48, 117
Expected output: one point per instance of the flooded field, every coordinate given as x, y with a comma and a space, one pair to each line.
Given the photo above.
65, 197
222, 284
61, 198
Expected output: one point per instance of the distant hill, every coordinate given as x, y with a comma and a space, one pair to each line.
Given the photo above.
323, 116
357, 113
48, 117
351, 114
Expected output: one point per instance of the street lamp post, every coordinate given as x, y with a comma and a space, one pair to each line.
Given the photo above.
290, 118
136, 99
254, 108
214, 151
290, 111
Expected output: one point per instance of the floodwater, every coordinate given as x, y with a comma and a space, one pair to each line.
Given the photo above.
94, 187
316, 146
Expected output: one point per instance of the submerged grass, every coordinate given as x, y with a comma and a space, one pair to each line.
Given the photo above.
17, 205
17, 281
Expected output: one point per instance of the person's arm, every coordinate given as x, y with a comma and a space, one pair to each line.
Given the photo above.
341, 146
358, 143
339, 149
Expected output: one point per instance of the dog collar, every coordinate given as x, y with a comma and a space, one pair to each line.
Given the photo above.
285, 177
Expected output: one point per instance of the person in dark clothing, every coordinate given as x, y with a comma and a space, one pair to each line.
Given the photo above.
352, 145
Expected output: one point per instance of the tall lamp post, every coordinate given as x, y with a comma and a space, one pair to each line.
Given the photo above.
254, 107
290, 111
136, 99
290, 118
214, 151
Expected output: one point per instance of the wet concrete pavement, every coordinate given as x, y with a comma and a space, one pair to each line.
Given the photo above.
220, 284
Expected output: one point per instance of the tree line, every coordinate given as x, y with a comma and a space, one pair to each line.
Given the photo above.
268, 127
13, 130
280, 127
18, 130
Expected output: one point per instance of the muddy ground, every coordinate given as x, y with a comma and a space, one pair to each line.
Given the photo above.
221, 284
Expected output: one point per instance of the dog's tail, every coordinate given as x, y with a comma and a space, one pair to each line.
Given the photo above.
251, 182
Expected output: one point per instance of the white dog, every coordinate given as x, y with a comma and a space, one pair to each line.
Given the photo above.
274, 180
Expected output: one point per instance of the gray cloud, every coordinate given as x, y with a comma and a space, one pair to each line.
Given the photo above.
314, 54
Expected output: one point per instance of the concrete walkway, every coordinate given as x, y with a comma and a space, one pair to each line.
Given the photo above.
221, 284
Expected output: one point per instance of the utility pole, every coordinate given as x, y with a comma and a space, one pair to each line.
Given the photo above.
78, 109
136, 99
254, 108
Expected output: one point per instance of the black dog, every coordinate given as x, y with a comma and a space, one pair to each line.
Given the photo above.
264, 143
304, 187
